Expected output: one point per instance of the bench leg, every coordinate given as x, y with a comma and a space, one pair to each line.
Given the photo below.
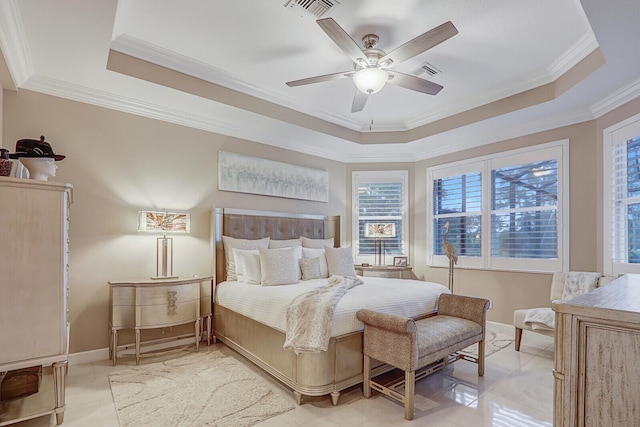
366, 380
518, 338
481, 358
409, 392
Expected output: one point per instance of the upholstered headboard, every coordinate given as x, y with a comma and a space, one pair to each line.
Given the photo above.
249, 224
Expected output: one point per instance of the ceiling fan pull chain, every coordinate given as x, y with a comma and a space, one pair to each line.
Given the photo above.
370, 111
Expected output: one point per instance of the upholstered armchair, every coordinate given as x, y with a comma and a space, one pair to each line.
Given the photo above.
557, 289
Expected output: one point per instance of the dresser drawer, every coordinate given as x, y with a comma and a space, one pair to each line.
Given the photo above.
168, 314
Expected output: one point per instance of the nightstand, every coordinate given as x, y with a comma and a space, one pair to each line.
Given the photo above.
388, 271
159, 303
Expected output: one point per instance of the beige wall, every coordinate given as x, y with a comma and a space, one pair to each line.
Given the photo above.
120, 163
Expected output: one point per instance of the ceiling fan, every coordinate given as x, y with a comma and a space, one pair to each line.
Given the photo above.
371, 66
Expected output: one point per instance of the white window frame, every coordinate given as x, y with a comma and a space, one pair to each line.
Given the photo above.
622, 131
358, 177
558, 150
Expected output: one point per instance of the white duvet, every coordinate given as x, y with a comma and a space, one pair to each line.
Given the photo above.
268, 304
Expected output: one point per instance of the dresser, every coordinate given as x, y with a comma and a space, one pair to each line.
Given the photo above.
388, 271
159, 303
34, 224
597, 357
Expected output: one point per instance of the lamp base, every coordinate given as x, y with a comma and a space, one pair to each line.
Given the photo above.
163, 277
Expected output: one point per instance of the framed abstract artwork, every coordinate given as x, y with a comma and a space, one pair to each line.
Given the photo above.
246, 174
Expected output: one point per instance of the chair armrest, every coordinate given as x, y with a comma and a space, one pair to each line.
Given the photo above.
470, 308
389, 322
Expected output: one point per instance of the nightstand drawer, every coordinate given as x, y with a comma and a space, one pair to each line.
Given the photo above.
161, 295
386, 274
168, 314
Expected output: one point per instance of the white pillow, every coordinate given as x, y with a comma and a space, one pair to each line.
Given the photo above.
340, 261
289, 243
230, 243
316, 243
279, 266
317, 253
310, 268
247, 265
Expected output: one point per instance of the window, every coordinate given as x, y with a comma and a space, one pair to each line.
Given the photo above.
504, 211
379, 198
622, 197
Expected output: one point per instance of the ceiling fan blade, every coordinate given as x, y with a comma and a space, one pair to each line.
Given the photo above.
423, 42
318, 79
359, 101
414, 83
342, 39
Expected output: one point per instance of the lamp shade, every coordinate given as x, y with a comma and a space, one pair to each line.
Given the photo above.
379, 230
164, 222
370, 80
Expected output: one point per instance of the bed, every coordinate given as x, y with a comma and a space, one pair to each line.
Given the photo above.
257, 329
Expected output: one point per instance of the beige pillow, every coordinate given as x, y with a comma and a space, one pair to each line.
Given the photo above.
317, 253
279, 266
340, 261
231, 242
310, 268
316, 243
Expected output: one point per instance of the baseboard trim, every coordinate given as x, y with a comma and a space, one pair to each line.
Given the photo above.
101, 354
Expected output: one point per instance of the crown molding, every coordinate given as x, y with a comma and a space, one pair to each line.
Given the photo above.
14, 43
149, 52
104, 99
616, 99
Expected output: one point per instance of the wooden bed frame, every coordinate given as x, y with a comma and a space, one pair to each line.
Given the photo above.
310, 374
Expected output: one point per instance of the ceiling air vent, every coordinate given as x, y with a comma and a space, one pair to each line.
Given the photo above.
429, 69
315, 7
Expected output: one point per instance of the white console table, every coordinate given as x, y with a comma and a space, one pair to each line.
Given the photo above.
158, 303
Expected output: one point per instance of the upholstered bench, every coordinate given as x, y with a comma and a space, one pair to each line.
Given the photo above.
425, 345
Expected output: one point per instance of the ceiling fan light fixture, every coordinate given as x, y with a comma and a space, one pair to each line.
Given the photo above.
370, 80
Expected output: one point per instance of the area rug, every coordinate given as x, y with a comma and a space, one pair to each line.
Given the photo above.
494, 341
202, 389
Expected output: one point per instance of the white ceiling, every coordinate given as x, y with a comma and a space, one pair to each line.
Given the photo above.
503, 48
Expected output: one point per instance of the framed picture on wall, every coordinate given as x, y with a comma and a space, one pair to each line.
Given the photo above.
399, 261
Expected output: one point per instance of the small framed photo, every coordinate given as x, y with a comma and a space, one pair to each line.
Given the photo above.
399, 261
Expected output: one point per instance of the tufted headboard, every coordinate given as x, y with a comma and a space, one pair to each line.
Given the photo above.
249, 224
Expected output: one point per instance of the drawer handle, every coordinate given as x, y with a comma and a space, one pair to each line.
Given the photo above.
172, 307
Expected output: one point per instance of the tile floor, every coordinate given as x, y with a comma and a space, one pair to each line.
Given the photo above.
517, 390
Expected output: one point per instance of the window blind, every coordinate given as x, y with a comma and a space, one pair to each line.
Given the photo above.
524, 214
380, 202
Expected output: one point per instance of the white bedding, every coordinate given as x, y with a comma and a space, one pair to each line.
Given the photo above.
268, 304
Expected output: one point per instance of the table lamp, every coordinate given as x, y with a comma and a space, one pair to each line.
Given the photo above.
164, 222
380, 231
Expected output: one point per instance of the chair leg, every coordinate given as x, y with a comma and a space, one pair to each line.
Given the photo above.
518, 338
409, 392
366, 381
481, 348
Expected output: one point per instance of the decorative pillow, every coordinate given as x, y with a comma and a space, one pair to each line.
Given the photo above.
578, 283
310, 268
317, 253
279, 266
290, 243
316, 243
230, 243
247, 265
340, 261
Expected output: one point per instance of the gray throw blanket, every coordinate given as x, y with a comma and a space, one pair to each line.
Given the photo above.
309, 315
